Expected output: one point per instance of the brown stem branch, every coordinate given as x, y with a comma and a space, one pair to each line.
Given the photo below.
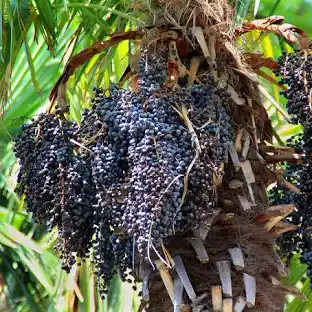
86, 54
269, 78
274, 24
277, 149
287, 184
283, 157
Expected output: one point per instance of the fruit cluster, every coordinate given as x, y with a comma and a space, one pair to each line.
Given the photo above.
138, 169
295, 70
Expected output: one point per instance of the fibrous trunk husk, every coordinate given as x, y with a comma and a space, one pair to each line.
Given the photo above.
261, 262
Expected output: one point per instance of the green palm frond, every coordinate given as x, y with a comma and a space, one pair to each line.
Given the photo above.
27, 258
26, 23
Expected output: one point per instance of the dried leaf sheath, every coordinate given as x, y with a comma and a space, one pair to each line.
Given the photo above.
88, 53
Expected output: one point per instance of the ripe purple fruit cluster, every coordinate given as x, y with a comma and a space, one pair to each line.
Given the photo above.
295, 70
117, 183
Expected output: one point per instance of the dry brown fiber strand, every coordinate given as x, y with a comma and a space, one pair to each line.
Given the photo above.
261, 261
206, 13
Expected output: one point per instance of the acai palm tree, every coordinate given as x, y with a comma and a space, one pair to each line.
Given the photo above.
158, 152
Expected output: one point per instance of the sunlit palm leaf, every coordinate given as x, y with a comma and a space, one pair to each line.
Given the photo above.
256, 7
241, 11
24, 102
